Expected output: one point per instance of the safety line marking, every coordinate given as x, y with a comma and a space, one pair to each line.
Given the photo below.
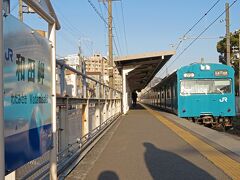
225, 163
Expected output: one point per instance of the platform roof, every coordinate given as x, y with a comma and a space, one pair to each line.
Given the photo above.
146, 66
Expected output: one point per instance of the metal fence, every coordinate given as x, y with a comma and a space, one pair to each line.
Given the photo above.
85, 108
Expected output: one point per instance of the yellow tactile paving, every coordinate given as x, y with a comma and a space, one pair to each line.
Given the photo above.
228, 165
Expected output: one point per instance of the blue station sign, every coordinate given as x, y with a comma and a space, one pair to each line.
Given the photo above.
27, 94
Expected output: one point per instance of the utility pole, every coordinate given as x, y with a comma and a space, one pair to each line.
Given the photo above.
110, 48
228, 35
83, 70
20, 10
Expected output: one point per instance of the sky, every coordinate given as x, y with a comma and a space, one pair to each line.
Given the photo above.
149, 26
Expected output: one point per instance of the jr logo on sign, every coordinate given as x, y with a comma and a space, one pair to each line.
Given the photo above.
9, 55
223, 99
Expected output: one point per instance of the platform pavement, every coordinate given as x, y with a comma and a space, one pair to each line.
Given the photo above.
228, 141
219, 158
141, 147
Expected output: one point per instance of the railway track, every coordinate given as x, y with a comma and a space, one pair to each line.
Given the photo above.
235, 130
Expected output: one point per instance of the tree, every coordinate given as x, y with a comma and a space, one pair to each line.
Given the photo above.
222, 48
234, 54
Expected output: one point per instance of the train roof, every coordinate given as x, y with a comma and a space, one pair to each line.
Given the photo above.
217, 65
166, 79
206, 67
193, 66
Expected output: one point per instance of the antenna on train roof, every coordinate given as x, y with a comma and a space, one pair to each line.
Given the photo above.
202, 60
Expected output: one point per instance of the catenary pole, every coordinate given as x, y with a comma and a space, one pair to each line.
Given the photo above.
228, 35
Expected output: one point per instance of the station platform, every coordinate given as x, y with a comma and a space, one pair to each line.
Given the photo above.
149, 144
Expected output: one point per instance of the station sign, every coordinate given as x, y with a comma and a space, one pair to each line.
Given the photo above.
27, 94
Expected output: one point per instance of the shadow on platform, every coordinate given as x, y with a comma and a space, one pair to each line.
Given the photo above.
167, 165
137, 107
108, 175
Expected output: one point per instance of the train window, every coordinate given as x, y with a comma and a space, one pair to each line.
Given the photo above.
213, 86
173, 91
162, 94
168, 92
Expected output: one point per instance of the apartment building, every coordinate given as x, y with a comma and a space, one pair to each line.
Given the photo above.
73, 81
98, 65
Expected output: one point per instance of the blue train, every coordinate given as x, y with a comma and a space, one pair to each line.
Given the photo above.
201, 92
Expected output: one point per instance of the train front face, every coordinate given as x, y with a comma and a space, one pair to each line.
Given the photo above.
206, 90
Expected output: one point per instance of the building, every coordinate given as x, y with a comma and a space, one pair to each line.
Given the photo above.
97, 67
73, 81
74, 61
117, 79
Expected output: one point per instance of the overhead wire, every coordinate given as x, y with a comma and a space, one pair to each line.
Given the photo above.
124, 27
71, 29
70, 40
115, 44
98, 13
118, 29
194, 25
67, 22
68, 29
117, 38
115, 27
69, 33
101, 11
193, 41
105, 26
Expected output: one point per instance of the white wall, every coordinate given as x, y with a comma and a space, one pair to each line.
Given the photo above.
126, 91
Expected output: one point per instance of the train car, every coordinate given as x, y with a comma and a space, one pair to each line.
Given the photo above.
201, 92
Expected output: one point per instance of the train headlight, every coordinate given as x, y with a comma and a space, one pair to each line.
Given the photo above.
188, 75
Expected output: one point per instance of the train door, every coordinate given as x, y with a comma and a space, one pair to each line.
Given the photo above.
171, 89
162, 98
168, 97
165, 98
175, 99
158, 97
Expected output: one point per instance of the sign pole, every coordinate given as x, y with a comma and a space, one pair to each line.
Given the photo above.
53, 152
2, 154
